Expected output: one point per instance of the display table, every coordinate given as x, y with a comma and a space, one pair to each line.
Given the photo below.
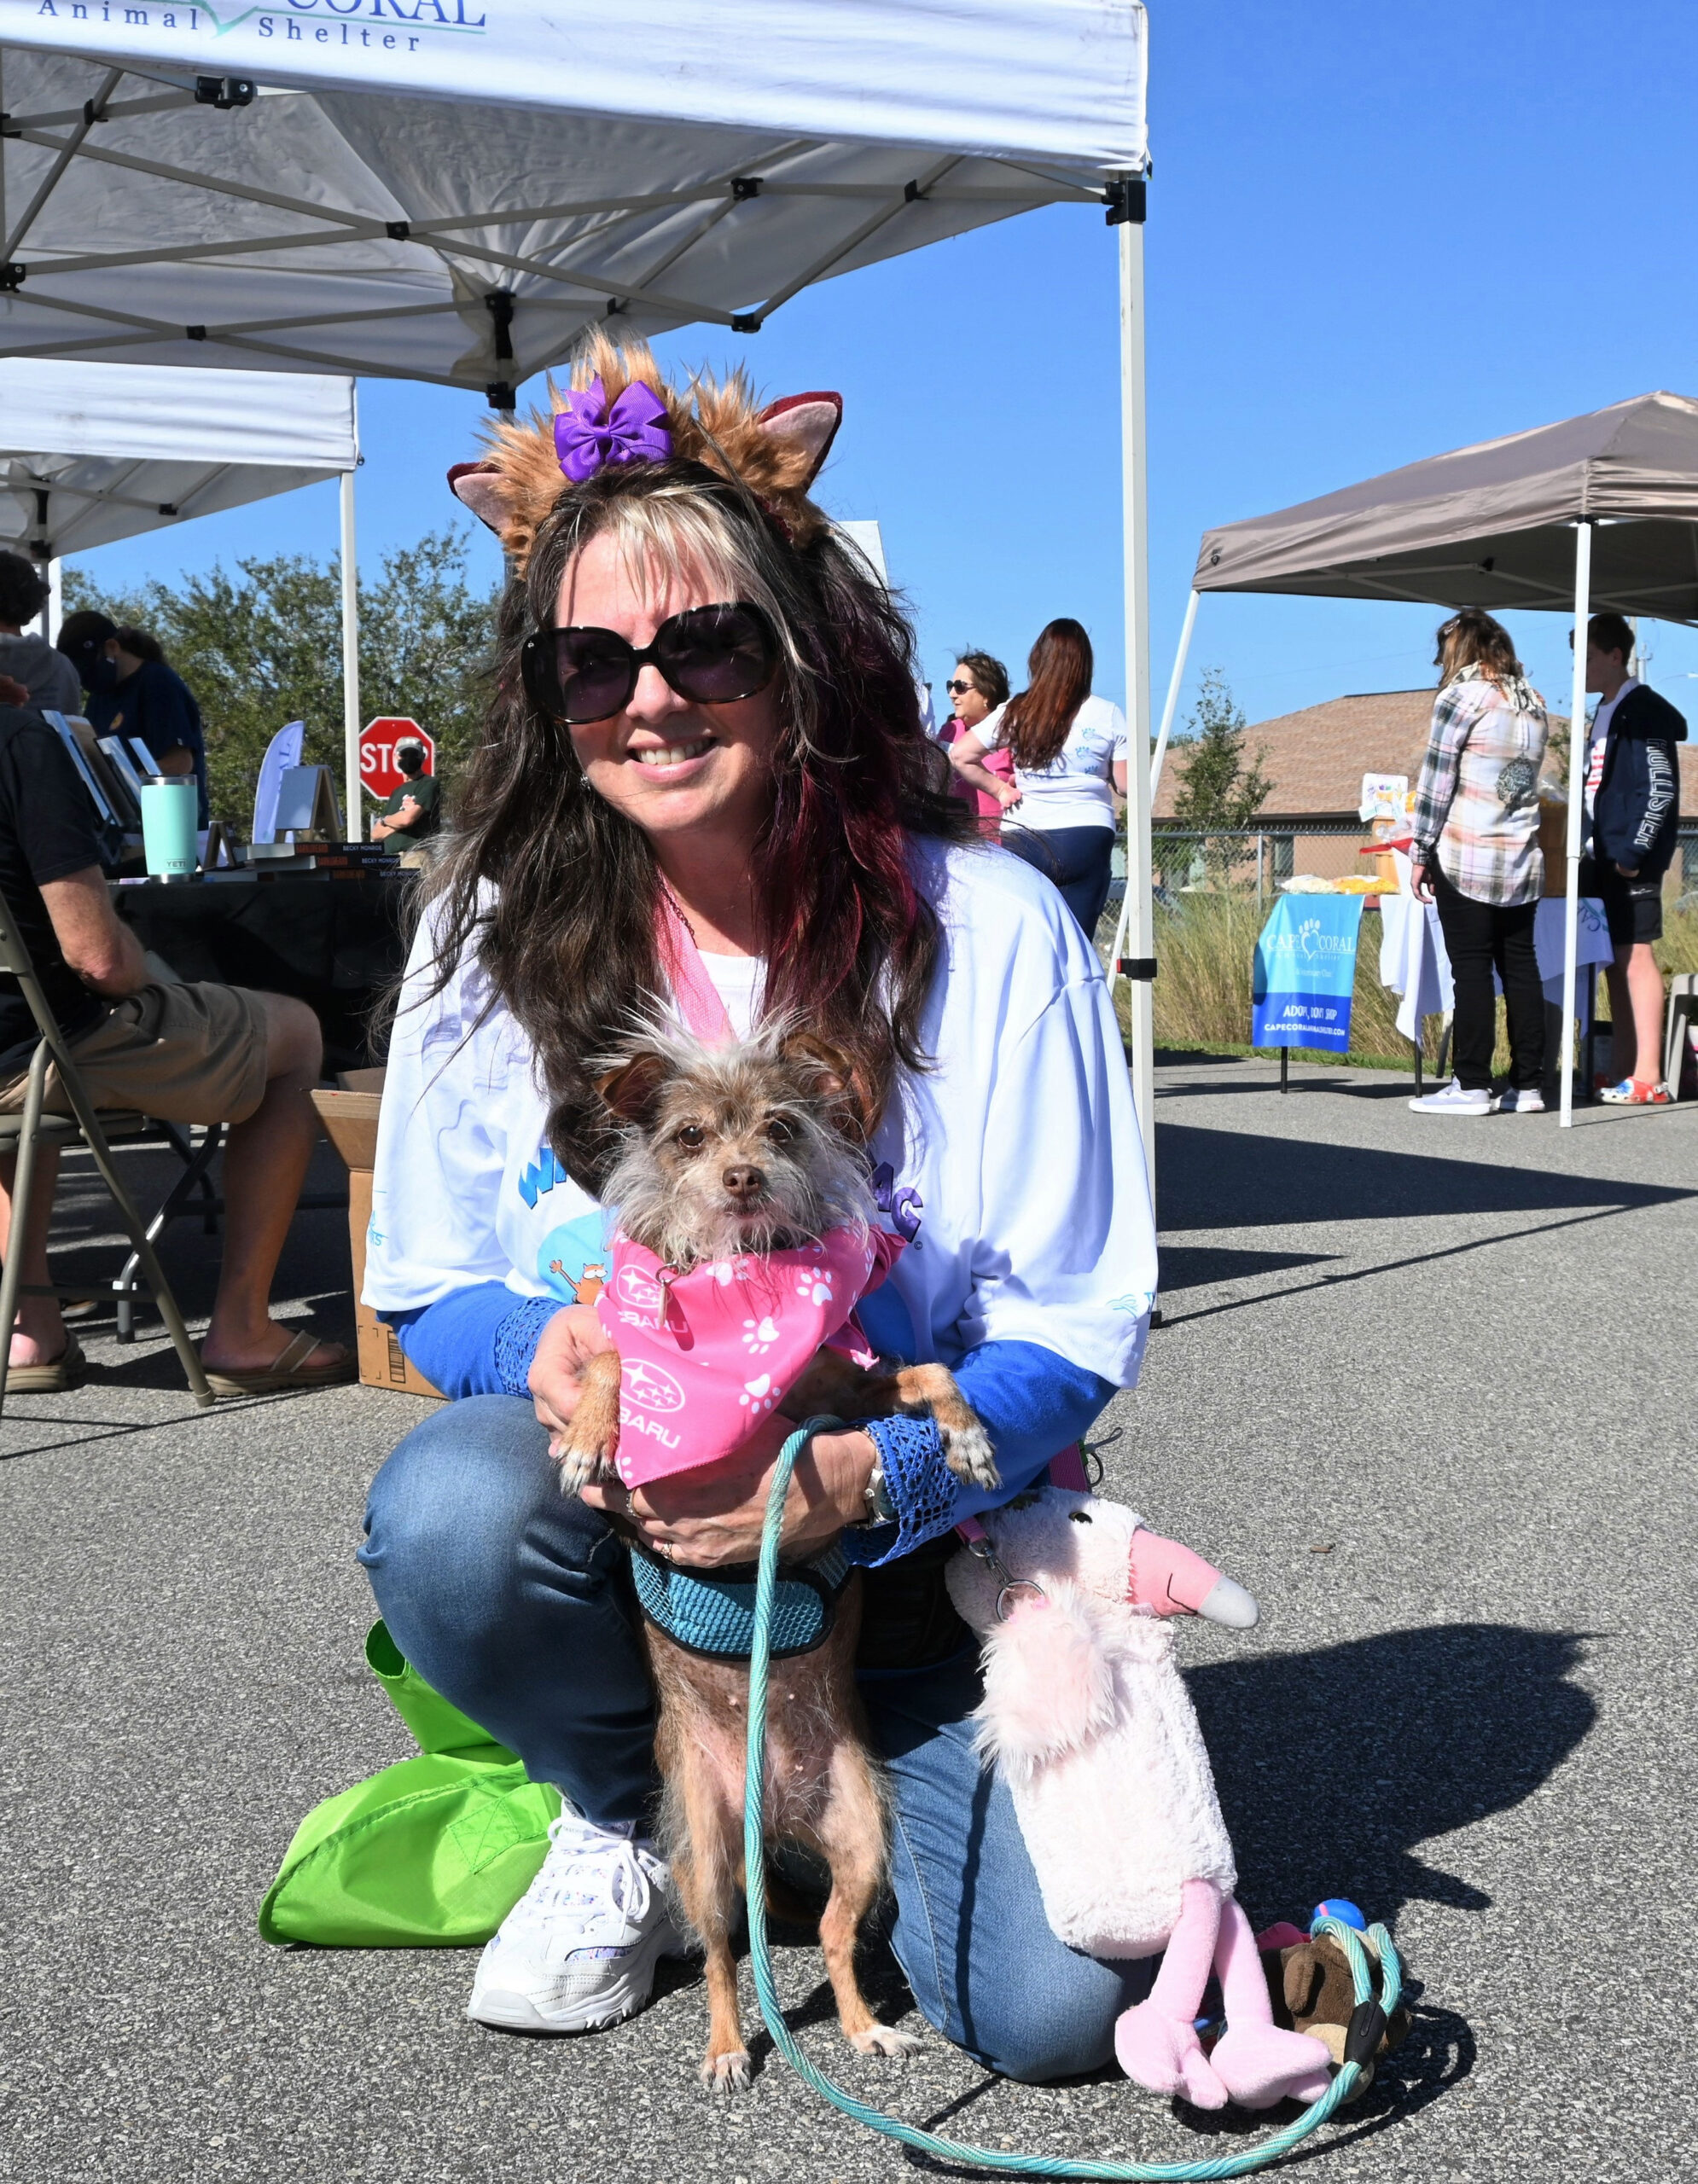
334, 944
1413, 961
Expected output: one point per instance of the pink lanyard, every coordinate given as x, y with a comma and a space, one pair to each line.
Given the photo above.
697, 996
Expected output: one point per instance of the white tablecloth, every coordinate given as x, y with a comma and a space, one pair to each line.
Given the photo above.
1413, 961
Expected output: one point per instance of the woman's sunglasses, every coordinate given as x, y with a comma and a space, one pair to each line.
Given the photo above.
710, 655
958, 689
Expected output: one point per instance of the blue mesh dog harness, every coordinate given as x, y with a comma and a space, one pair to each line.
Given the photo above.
712, 1611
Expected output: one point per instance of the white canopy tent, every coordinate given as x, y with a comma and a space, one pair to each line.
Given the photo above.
93, 453
441, 190
1599, 511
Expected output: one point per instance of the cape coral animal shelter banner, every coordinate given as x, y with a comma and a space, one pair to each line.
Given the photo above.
1306, 972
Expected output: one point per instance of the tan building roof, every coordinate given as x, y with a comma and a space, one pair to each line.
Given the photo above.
1316, 758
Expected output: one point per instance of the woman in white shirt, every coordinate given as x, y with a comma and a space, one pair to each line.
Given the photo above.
1068, 747
706, 713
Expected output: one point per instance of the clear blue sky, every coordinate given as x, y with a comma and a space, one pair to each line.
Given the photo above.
1374, 234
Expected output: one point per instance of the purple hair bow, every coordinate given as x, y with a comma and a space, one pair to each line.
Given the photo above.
587, 433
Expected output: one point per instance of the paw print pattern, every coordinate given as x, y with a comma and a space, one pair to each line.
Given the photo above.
813, 1285
759, 1335
759, 1394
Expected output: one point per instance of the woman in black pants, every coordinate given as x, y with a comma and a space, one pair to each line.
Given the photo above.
1475, 854
1067, 746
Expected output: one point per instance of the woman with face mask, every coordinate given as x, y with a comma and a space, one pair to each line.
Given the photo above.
132, 690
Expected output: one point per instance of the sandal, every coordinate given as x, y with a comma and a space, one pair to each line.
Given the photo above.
66, 1371
288, 1370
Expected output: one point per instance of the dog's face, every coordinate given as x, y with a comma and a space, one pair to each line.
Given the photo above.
734, 1148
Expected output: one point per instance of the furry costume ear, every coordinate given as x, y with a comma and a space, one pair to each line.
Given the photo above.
631, 1089
488, 492
1049, 1684
806, 423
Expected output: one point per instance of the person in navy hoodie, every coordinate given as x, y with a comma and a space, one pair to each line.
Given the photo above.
1632, 792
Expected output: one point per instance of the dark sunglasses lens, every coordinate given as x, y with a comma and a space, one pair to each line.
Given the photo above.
714, 654
596, 672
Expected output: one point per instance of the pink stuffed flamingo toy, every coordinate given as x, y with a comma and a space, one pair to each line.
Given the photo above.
1087, 1719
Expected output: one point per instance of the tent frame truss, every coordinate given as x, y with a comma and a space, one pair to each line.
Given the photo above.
450, 241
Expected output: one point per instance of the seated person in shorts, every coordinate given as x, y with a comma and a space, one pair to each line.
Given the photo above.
200, 1053
1633, 817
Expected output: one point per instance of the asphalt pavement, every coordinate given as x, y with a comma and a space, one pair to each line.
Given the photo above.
1425, 1386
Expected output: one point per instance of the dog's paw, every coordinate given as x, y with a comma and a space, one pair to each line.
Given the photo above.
724, 2074
578, 1468
970, 1455
885, 2040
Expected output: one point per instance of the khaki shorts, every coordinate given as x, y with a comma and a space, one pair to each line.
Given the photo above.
185, 1054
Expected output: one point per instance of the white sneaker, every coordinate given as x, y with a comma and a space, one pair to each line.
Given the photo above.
578, 1948
1453, 1101
1518, 1100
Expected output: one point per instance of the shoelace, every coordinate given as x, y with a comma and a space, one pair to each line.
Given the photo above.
586, 1867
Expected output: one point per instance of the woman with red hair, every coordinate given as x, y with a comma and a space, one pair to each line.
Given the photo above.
1067, 746
706, 737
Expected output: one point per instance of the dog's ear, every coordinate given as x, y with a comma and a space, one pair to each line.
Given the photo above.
826, 1070
631, 1089
830, 1076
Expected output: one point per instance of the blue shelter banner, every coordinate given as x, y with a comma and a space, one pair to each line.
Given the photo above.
1306, 972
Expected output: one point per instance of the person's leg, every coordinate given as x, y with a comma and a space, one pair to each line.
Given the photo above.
1467, 930
1623, 1042
264, 1164
512, 1600
1644, 983
1083, 858
1517, 962
968, 1928
39, 1337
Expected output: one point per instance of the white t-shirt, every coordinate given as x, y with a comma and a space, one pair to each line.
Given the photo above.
1598, 736
1014, 1165
1074, 788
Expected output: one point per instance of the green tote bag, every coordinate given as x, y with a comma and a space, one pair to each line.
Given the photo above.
431, 1853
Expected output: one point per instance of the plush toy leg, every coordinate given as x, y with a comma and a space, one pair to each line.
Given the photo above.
1156, 2042
1257, 2062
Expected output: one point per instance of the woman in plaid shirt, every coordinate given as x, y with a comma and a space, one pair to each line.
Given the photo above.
1475, 854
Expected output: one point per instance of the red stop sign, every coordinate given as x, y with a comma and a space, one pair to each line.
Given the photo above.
377, 767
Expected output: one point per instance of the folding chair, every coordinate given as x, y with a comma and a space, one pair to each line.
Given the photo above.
22, 1133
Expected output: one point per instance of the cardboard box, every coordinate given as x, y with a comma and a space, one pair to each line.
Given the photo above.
350, 1119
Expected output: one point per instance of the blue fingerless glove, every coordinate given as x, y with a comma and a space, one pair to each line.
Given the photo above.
919, 1484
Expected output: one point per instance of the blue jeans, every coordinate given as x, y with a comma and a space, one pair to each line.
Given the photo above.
1078, 859
516, 1602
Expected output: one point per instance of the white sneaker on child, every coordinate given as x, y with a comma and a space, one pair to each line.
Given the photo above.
578, 1949
1518, 1100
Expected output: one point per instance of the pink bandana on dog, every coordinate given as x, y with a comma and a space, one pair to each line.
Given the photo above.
706, 1355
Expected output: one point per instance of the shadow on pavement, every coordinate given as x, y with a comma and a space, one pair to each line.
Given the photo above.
1195, 1266
1237, 1179
1334, 1765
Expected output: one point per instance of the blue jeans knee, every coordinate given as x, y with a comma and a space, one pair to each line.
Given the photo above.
513, 1600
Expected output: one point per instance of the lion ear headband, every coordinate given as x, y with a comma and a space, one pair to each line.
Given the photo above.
619, 410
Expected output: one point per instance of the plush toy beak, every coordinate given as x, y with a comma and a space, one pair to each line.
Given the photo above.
1169, 1579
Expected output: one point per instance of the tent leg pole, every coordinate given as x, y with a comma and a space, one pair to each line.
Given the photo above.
55, 609
355, 815
1577, 799
1172, 704
1139, 916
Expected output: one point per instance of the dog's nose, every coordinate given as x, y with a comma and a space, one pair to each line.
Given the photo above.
745, 1182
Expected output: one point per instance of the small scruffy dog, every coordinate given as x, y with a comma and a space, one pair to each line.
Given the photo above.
736, 1150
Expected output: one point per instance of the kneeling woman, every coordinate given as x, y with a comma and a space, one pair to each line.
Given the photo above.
705, 747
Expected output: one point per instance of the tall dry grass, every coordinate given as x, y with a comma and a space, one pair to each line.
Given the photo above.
1205, 945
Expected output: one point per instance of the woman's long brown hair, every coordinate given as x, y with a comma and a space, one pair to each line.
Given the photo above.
556, 892
1036, 724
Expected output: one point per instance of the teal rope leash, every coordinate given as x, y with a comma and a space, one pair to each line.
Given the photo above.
1367, 2020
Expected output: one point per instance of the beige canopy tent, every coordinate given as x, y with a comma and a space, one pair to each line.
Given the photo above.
1599, 512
